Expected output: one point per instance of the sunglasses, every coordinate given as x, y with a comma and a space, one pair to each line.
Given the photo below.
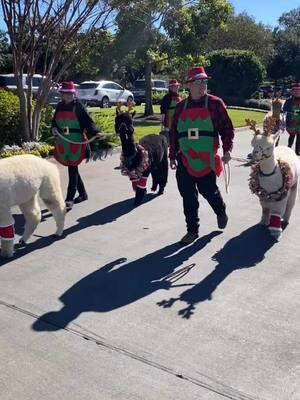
201, 81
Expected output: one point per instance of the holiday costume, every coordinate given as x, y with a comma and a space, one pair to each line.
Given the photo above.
73, 123
292, 108
22, 179
168, 105
194, 142
138, 161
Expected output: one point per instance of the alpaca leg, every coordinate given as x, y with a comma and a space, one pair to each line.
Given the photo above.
290, 205
154, 174
139, 196
265, 218
6, 233
163, 173
7, 248
276, 213
32, 214
51, 194
141, 188
59, 212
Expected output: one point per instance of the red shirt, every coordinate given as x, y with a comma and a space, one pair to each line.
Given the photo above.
220, 119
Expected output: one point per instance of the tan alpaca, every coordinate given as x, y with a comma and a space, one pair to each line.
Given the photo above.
274, 178
22, 179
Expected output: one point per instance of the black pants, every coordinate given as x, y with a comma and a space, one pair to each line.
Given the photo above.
75, 183
291, 142
189, 187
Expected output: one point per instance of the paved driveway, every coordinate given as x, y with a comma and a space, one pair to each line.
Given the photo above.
117, 309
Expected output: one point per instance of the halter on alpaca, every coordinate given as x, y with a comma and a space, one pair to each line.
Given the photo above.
274, 177
139, 160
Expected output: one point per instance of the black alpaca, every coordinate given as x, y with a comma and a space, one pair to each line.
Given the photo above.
138, 161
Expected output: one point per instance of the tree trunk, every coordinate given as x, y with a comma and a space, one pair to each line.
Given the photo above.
36, 119
25, 128
148, 88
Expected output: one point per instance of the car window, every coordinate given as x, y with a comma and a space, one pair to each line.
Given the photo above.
8, 81
108, 86
160, 84
140, 84
35, 81
116, 86
88, 85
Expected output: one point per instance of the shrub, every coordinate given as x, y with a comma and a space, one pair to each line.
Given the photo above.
157, 97
235, 73
261, 104
249, 103
9, 118
10, 126
46, 119
36, 148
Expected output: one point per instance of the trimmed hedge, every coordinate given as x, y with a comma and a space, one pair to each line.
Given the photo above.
247, 103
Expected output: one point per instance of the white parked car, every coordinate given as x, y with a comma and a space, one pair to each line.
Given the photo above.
8, 81
102, 93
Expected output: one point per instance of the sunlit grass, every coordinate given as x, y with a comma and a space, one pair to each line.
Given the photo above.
143, 128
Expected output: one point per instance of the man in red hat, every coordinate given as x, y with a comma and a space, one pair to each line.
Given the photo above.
292, 109
69, 124
168, 104
198, 123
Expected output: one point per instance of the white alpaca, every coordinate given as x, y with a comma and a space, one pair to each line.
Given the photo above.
22, 179
274, 178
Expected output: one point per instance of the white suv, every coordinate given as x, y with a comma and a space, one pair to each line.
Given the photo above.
102, 93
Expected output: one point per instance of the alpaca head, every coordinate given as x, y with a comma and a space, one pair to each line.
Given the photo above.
124, 128
263, 142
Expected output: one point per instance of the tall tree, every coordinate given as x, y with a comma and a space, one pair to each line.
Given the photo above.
47, 26
139, 32
145, 27
5, 54
188, 29
243, 33
287, 46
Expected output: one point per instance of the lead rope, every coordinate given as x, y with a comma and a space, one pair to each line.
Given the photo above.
70, 141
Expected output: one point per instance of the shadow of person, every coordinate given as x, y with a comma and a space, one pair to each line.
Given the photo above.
114, 286
243, 251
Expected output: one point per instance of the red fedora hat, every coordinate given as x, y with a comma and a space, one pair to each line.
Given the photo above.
173, 82
197, 73
68, 87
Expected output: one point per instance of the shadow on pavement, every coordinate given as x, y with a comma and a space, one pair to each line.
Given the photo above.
106, 215
114, 286
100, 217
243, 251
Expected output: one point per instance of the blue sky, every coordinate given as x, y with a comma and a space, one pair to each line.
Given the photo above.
265, 11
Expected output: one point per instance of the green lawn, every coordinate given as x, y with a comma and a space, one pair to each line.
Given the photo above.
238, 116
105, 119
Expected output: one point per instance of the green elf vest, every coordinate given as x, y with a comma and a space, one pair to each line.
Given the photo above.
294, 126
198, 141
66, 153
171, 111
